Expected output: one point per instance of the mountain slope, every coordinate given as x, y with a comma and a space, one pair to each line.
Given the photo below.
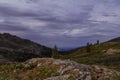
115, 40
107, 53
15, 48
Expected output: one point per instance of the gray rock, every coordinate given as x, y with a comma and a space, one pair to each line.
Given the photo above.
68, 69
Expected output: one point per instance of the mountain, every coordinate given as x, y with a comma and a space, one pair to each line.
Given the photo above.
106, 53
115, 40
13, 48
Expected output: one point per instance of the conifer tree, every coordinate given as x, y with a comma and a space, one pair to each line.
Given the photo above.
55, 53
98, 42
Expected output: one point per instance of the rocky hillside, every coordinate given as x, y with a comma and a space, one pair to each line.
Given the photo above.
15, 48
56, 69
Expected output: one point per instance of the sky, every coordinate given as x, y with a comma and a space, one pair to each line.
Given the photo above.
66, 23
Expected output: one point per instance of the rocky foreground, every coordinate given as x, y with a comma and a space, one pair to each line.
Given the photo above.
70, 70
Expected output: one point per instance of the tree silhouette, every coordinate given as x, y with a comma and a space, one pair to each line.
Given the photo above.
98, 42
55, 53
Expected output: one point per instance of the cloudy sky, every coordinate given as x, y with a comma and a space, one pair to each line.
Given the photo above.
67, 23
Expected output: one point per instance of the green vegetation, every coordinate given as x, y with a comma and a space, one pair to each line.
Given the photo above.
19, 72
99, 54
4, 76
112, 61
43, 72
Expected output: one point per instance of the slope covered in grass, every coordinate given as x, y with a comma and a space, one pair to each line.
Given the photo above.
107, 53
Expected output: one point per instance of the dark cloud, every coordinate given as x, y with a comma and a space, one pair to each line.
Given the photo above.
12, 27
67, 23
13, 12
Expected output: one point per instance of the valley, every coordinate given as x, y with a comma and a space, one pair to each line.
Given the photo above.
32, 61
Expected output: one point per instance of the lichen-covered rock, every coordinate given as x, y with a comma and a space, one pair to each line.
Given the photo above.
69, 69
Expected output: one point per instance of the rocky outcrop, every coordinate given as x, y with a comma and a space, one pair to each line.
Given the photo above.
70, 70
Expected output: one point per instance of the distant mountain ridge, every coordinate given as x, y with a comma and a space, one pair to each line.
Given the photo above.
112, 43
115, 39
15, 48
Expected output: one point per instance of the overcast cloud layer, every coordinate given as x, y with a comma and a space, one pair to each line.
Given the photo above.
67, 23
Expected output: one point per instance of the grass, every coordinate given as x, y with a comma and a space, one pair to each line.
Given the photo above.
112, 61
42, 73
5, 76
19, 72
97, 56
